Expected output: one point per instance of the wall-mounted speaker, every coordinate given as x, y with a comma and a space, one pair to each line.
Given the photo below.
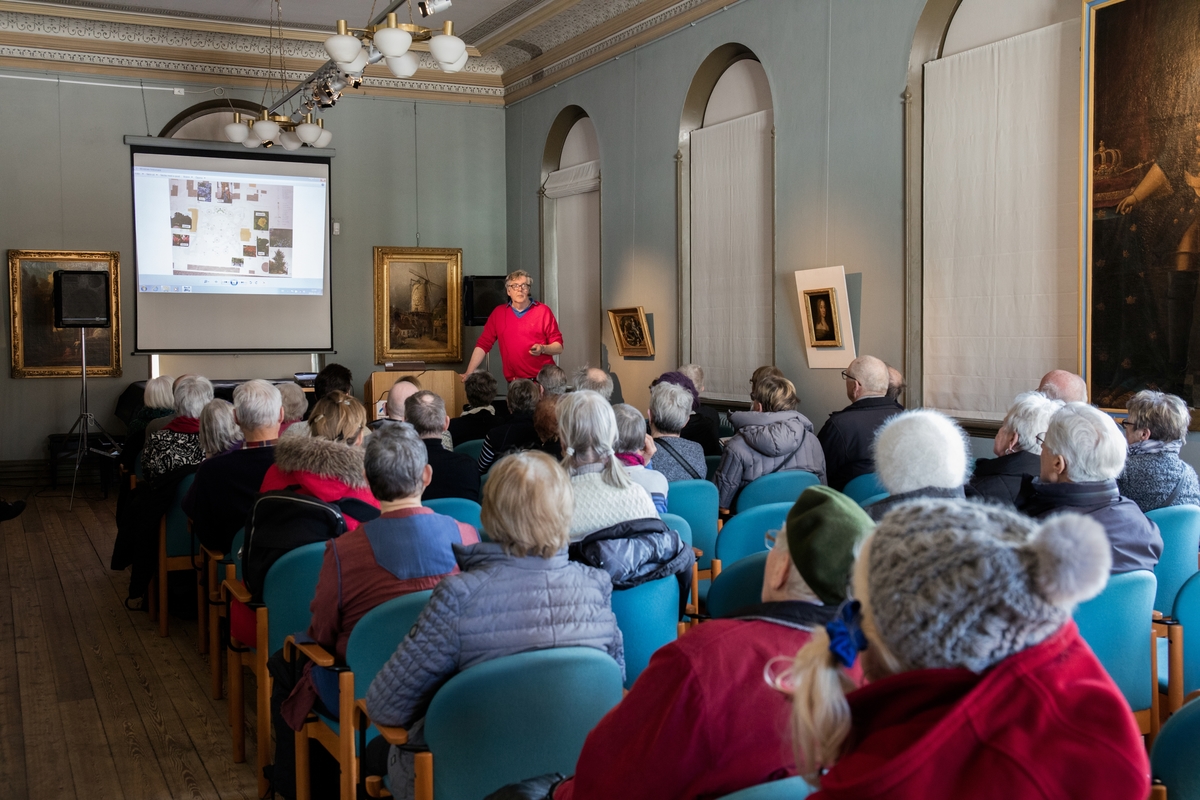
81, 299
481, 294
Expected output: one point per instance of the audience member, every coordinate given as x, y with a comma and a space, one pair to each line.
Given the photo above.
684, 729
158, 423
765, 371
553, 379
678, 459
1154, 476
295, 404
545, 424
634, 448
219, 433
480, 415
516, 434
393, 407
408, 549
1018, 452
517, 592
593, 379
1083, 452
333, 378
177, 445
704, 426
158, 401
920, 454
454, 474
697, 429
225, 487
896, 384
1058, 384
978, 684
771, 437
848, 435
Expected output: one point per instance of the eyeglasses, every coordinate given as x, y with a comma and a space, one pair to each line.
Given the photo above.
521, 287
848, 377
769, 539
1125, 423
1040, 439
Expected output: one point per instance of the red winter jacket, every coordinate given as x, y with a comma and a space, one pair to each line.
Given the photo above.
1045, 723
322, 468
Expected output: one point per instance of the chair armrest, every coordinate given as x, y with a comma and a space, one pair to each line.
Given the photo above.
235, 590
1157, 615
698, 552
390, 734
215, 555
316, 654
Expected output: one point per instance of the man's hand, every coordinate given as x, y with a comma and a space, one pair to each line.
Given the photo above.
537, 349
463, 377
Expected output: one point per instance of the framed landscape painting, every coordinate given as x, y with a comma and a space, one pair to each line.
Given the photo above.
418, 304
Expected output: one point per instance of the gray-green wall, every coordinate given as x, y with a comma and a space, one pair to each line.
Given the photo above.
64, 184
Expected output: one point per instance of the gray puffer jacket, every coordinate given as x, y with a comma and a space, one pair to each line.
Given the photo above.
766, 442
497, 606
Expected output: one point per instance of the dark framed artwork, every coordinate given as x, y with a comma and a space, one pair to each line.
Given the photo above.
631, 332
1140, 199
418, 304
820, 310
40, 350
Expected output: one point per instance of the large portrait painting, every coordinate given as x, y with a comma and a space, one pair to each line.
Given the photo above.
1141, 204
40, 350
418, 304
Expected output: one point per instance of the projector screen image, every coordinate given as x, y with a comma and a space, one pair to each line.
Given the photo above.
232, 253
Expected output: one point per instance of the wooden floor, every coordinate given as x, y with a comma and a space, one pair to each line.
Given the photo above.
93, 704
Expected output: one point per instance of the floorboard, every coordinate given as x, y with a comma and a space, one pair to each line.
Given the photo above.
12, 742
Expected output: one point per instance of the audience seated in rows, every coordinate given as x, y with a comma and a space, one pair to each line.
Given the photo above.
219, 433
896, 384
516, 434
177, 445
700, 721
1058, 384
333, 378
480, 415
698, 429
1083, 452
978, 683
393, 408
920, 454
634, 448
160, 422
593, 379
407, 549
705, 420
225, 486
553, 379
678, 459
454, 474
516, 593
772, 437
545, 424
1017, 448
158, 401
1156, 429
295, 404
848, 435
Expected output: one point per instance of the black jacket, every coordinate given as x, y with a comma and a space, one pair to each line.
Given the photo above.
879, 508
1000, 478
703, 428
517, 434
220, 499
470, 427
848, 437
454, 474
638, 551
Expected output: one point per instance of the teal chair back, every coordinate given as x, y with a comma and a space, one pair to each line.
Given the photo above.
696, 501
737, 587
679, 525
864, 486
794, 788
1180, 528
1186, 611
460, 508
744, 534
179, 538
648, 616
711, 463
875, 498
1116, 625
514, 717
472, 448
378, 634
1173, 758
777, 487
288, 592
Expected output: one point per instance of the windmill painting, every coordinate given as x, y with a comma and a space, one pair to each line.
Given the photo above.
418, 305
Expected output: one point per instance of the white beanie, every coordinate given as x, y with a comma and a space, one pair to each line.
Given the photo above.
921, 449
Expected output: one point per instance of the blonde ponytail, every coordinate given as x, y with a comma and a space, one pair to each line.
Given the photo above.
820, 712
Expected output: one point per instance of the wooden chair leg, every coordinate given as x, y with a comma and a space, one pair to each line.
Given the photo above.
716, 568
1155, 719
346, 735
303, 789
214, 650
202, 604
164, 618
263, 679
1174, 668
423, 772
237, 706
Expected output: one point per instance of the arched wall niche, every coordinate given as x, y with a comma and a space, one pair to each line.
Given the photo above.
206, 121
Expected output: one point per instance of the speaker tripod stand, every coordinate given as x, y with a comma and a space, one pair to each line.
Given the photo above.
107, 446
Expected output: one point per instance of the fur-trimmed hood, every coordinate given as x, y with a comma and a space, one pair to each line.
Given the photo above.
322, 457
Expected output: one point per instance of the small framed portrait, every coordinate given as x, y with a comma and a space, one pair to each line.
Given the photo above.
418, 304
820, 309
631, 332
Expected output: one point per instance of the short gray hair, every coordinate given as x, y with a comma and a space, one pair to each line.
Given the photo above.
426, 412
585, 380
480, 387
394, 460
670, 407
553, 379
523, 396
218, 431
587, 428
1166, 416
192, 394
158, 392
257, 404
1088, 440
295, 404
1028, 417
631, 428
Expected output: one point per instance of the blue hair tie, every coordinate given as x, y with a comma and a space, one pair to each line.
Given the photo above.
846, 639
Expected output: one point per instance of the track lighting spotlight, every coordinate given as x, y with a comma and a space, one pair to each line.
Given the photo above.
428, 7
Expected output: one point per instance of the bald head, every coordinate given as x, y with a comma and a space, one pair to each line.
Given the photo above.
401, 390
593, 379
868, 377
1058, 384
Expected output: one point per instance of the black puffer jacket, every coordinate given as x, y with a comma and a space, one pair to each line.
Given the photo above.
637, 552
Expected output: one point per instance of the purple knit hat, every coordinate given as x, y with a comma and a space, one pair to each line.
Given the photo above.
679, 379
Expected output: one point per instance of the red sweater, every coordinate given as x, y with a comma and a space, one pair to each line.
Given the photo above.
517, 334
1045, 723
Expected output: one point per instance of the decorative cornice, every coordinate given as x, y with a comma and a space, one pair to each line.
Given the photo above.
514, 21
189, 16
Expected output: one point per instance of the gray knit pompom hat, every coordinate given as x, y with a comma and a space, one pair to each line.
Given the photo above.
961, 584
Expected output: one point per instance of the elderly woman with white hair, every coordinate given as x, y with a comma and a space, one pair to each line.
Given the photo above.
1083, 452
919, 454
1154, 475
1018, 452
219, 433
177, 445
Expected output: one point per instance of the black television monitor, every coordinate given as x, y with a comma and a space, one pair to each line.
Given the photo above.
481, 295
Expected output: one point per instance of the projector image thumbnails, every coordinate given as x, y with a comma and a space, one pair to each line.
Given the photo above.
262, 220
181, 240
179, 220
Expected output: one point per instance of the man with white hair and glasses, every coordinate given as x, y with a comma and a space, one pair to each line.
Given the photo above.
848, 435
526, 329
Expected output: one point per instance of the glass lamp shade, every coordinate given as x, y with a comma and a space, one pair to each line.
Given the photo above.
357, 65
308, 132
457, 65
290, 141
251, 141
266, 129
392, 42
325, 138
237, 132
447, 49
405, 66
343, 48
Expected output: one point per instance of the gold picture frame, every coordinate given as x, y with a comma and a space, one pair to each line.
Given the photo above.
40, 350
418, 304
631, 332
824, 329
